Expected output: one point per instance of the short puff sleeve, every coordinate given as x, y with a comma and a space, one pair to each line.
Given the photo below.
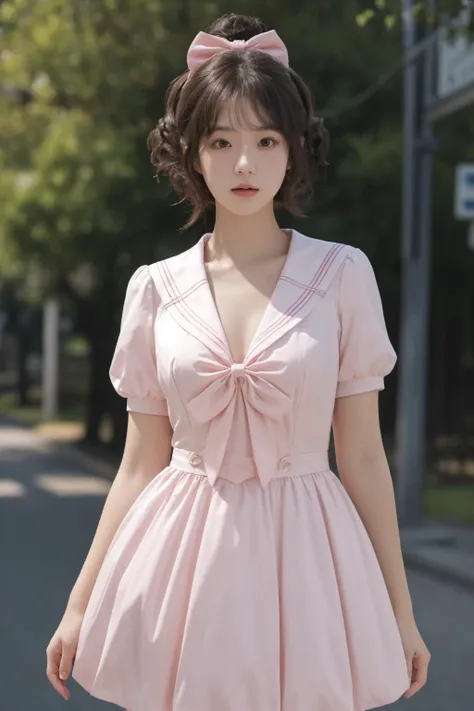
366, 354
133, 371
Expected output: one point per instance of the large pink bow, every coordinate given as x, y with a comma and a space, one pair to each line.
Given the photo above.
255, 386
204, 46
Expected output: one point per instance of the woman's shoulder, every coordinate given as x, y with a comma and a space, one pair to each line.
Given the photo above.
338, 257
349, 251
140, 277
321, 246
352, 257
346, 269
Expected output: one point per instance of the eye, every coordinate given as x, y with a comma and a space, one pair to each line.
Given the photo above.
219, 140
269, 138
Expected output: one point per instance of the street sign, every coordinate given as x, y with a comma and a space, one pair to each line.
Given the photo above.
454, 88
455, 60
464, 192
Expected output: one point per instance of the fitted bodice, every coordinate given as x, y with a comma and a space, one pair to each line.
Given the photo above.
322, 336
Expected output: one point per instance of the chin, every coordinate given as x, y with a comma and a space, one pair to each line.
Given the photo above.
247, 212
247, 206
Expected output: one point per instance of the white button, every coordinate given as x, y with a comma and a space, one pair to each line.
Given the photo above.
195, 460
284, 464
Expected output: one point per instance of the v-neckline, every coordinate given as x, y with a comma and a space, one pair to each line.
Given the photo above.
265, 314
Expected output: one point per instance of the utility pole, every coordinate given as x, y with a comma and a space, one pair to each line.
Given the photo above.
415, 254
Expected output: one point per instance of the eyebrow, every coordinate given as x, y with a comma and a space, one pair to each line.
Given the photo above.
259, 128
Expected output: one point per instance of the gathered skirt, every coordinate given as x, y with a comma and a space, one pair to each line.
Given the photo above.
235, 597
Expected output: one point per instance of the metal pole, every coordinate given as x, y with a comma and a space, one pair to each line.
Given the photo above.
427, 148
410, 402
409, 129
50, 360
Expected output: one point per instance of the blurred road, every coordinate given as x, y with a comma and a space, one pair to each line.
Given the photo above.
50, 502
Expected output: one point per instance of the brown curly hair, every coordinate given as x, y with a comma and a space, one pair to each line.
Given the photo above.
279, 97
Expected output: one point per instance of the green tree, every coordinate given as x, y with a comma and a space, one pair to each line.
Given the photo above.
388, 12
81, 208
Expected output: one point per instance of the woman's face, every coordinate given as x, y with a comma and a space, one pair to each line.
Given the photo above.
243, 155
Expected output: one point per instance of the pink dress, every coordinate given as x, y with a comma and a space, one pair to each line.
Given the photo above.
242, 578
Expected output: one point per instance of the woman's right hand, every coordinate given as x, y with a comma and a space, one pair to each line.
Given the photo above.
61, 650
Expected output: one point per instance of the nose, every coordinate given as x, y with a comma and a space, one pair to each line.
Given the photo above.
245, 162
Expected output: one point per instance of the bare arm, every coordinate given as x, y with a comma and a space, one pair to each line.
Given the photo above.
147, 451
365, 474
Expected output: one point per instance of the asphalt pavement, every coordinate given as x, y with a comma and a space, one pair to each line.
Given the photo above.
51, 497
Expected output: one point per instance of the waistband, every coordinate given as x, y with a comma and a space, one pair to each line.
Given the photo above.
291, 465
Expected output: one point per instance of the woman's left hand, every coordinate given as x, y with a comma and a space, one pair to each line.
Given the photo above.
417, 655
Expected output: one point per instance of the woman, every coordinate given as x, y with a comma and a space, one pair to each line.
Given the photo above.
242, 574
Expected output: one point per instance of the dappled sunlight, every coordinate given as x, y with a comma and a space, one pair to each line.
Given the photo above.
9, 488
67, 485
58, 485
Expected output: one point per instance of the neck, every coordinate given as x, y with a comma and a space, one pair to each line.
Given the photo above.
239, 238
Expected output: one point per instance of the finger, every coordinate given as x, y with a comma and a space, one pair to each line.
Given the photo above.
419, 677
58, 685
410, 674
65, 664
421, 667
53, 657
414, 688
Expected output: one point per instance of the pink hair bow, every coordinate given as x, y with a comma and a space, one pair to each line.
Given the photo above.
204, 46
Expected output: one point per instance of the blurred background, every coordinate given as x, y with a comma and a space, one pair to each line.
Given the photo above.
81, 86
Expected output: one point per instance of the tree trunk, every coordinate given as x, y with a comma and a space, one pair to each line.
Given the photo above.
23, 382
118, 415
100, 330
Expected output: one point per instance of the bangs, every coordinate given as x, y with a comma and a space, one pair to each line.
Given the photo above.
233, 83
262, 115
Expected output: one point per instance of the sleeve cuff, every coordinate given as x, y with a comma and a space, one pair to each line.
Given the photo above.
147, 406
360, 385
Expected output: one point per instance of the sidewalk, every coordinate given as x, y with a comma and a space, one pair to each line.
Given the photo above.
447, 550
443, 549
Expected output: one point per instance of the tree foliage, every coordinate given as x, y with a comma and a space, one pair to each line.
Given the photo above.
427, 12
83, 84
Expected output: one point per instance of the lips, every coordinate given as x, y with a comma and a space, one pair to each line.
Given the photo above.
245, 187
245, 192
